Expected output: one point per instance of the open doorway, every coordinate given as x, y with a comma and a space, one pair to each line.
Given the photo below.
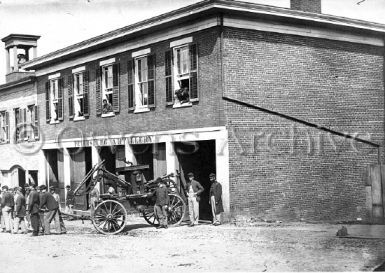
199, 158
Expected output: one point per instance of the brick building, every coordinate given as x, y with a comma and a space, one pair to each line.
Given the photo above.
286, 106
21, 159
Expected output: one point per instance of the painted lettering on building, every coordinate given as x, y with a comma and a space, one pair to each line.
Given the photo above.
115, 141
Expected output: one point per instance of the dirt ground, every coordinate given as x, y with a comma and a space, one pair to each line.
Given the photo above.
142, 248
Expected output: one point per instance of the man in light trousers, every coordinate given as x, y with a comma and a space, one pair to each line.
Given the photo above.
194, 189
7, 204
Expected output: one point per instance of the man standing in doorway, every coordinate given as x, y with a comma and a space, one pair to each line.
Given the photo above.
216, 199
194, 189
33, 206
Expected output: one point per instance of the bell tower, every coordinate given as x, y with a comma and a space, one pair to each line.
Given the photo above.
19, 48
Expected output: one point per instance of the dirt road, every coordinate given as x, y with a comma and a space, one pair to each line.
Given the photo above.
141, 248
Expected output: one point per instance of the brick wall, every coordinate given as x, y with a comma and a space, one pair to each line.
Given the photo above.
306, 5
203, 114
332, 84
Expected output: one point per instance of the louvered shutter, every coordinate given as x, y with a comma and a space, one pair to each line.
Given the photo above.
36, 123
60, 100
115, 89
98, 93
168, 77
193, 72
48, 104
151, 80
70, 96
86, 105
24, 124
7, 126
131, 94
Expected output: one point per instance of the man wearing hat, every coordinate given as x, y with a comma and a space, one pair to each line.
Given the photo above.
193, 189
56, 196
20, 212
7, 204
70, 201
33, 208
161, 203
51, 210
216, 199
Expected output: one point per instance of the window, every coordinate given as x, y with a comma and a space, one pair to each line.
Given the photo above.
181, 69
142, 87
54, 100
78, 95
4, 127
26, 123
107, 90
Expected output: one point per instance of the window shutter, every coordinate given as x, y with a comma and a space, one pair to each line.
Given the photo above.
115, 89
151, 80
168, 77
98, 94
70, 97
47, 105
131, 95
60, 100
24, 123
36, 124
86, 105
7, 126
193, 72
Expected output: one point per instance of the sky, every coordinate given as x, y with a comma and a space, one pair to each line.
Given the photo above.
61, 23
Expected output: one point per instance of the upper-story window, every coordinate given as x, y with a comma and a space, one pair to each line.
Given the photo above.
181, 73
142, 86
26, 123
107, 88
4, 127
54, 99
78, 89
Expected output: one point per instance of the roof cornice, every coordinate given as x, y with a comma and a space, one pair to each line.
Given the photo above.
218, 6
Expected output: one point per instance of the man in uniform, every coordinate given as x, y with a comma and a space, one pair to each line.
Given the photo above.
20, 212
7, 204
33, 206
161, 203
51, 210
193, 189
216, 199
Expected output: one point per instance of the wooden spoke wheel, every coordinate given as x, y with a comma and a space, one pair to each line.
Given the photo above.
110, 217
175, 212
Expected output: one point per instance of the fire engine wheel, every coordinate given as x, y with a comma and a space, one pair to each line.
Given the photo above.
175, 212
110, 217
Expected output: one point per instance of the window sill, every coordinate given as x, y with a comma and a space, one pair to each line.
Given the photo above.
178, 105
79, 118
108, 115
54, 121
141, 110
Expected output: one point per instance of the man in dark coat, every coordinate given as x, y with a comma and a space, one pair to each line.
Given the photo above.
216, 199
161, 203
193, 189
70, 201
51, 210
7, 204
20, 212
33, 206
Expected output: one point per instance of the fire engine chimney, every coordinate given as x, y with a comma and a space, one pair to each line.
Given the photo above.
306, 5
18, 49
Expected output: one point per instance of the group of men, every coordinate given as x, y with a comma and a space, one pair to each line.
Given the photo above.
33, 211
193, 190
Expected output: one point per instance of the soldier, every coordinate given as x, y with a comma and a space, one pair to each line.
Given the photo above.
57, 198
50, 207
20, 212
161, 203
193, 189
7, 204
33, 207
216, 199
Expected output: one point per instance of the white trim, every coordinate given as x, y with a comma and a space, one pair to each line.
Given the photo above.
79, 69
183, 41
107, 62
106, 115
129, 45
303, 30
138, 53
141, 109
54, 76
